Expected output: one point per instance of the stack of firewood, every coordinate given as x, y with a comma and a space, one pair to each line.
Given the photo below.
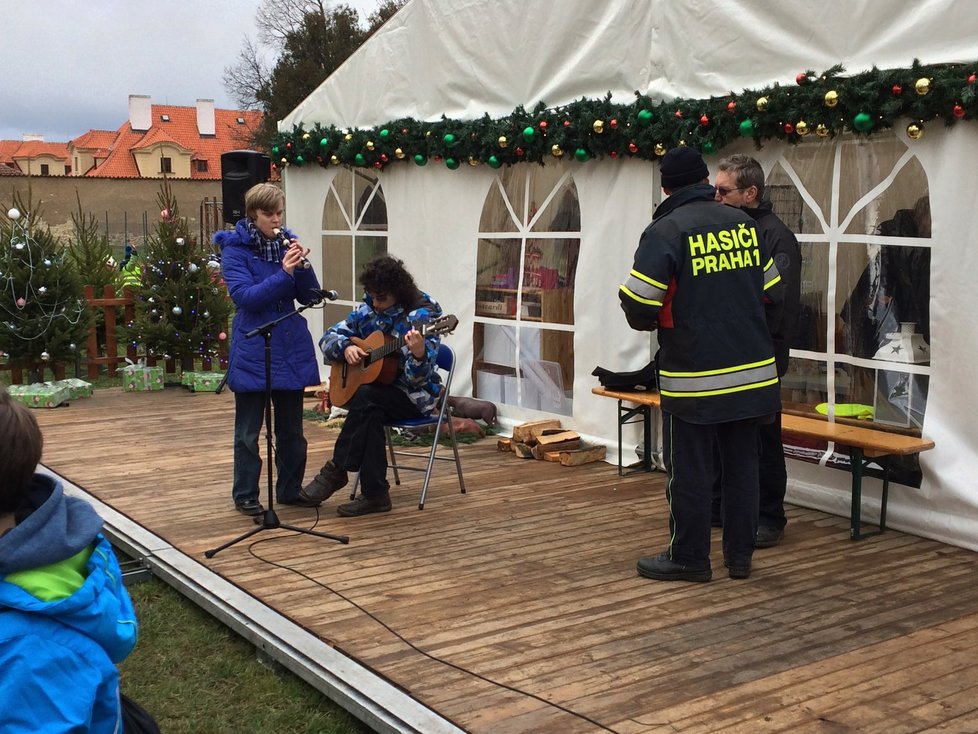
547, 441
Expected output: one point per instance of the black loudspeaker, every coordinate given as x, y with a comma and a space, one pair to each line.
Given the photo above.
240, 170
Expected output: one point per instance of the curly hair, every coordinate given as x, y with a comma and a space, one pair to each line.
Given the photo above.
386, 274
20, 451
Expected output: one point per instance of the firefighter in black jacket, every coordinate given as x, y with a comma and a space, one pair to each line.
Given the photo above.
701, 277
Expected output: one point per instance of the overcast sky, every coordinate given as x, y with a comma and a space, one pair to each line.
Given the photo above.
69, 66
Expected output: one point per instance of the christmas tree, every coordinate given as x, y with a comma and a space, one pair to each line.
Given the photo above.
90, 251
43, 317
182, 305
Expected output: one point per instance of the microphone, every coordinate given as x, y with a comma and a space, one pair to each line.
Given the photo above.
288, 243
326, 295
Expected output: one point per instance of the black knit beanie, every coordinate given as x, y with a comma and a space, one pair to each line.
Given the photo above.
682, 166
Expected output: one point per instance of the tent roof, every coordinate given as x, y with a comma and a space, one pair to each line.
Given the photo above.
466, 58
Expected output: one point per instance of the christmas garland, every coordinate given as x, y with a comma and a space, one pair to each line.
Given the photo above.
825, 105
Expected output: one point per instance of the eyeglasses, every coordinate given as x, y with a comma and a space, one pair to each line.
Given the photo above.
723, 192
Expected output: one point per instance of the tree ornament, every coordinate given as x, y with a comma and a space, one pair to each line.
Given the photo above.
972, 78
896, 90
369, 145
359, 159
788, 128
494, 162
45, 356
288, 145
334, 159
72, 346
452, 163
731, 106
659, 149
13, 213
957, 111
922, 86
762, 103
582, 155
831, 98
398, 153
47, 263
566, 123
305, 136
598, 126
529, 133
42, 290
708, 147
678, 114
284, 161
614, 123
449, 139
222, 336
644, 117
275, 149
915, 131
863, 122
177, 310
821, 130
801, 128
747, 128
180, 241
502, 142
165, 213
419, 159
21, 303
556, 151
19, 246
632, 148
323, 142
348, 137
384, 134
544, 125
473, 161
299, 159
802, 79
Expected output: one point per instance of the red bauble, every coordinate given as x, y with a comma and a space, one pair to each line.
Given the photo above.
288, 145
632, 148
566, 123
801, 79
378, 165
897, 90
383, 157
544, 124
614, 123
789, 128
731, 106
958, 111
679, 113
520, 152
704, 120
614, 154
972, 78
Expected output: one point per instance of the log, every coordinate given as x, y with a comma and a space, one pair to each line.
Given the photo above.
552, 438
582, 456
523, 431
551, 456
522, 450
540, 450
504, 444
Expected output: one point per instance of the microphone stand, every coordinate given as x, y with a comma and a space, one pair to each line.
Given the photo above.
269, 520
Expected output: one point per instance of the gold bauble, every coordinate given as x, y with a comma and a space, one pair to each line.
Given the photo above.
370, 145
556, 151
822, 131
598, 126
306, 136
660, 149
831, 98
284, 161
761, 104
473, 161
334, 160
348, 137
503, 142
802, 128
398, 153
915, 131
922, 86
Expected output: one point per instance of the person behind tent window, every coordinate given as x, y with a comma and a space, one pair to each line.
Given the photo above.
740, 183
262, 265
392, 304
700, 278
67, 619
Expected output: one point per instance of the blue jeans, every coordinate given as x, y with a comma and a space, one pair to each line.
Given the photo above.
290, 444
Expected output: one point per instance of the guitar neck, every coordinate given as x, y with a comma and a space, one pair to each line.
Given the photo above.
391, 346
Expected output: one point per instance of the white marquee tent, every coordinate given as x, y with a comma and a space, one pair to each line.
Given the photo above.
532, 349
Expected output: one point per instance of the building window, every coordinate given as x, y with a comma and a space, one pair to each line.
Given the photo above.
166, 165
45, 169
165, 118
526, 265
354, 231
201, 166
241, 121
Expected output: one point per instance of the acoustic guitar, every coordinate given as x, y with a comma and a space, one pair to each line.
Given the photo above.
381, 363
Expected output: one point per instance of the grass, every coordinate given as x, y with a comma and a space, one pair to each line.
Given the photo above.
194, 675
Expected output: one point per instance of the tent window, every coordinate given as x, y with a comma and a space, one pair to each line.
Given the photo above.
523, 336
354, 231
861, 211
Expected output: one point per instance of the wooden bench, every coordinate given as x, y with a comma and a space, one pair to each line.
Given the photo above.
866, 446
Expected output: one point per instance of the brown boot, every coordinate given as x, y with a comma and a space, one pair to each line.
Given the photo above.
330, 479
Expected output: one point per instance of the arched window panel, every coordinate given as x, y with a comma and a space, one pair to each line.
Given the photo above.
497, 216
354, 231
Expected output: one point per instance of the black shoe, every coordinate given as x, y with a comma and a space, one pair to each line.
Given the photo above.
330, 479
768, 537
663, 569
251, 508
737, 570
365, 506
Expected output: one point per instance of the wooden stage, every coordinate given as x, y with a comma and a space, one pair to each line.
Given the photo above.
516, 607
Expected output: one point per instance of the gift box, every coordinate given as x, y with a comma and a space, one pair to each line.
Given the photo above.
187, 379
40, 394
76, 388
207, 381
138, 378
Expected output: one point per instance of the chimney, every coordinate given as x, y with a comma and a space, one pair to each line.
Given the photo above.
33, 138
205, 117
140, 112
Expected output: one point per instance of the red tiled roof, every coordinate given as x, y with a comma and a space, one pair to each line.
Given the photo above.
181, 129
6, 170
7, 150
95, 141
34, 148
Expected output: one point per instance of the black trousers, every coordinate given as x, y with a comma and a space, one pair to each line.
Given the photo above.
361, 445
690, 451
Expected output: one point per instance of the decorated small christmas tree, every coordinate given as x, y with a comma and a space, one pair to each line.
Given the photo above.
43, 317
182, 305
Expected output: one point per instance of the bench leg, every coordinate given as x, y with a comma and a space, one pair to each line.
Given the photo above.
625, 416
858, 463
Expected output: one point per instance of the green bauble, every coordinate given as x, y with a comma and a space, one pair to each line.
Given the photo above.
420, 159
747, 128
494, 162
529, 133
451, 163
582, 155
359, 159
709, 148
863, 122
324, 142
300, 160
449, 139
644, 117
384, 134
275, 149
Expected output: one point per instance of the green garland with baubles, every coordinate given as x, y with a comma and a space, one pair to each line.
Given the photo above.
824, 105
